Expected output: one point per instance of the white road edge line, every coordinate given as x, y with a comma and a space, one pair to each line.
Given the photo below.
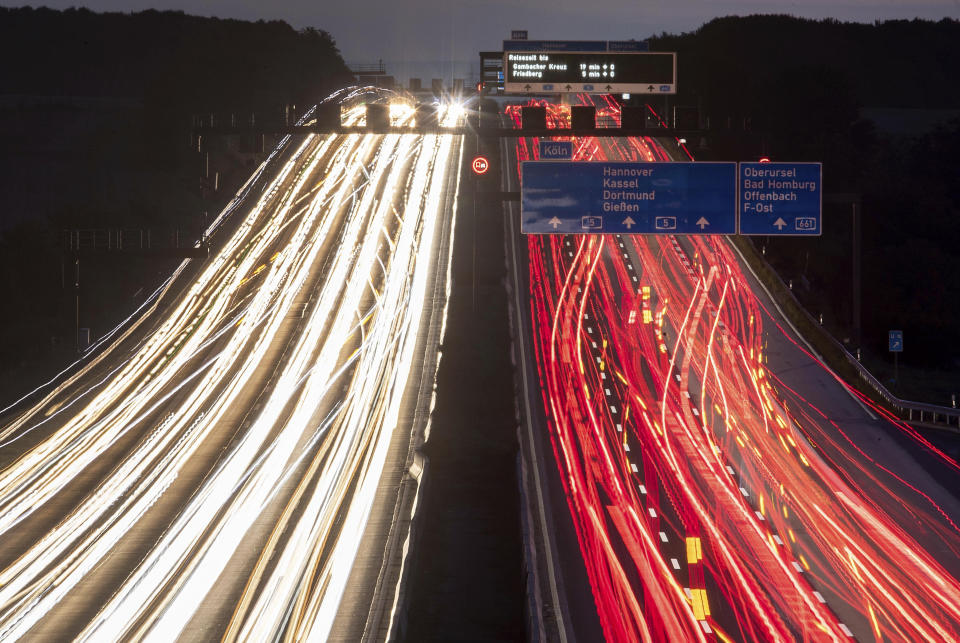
800, 336
521, 339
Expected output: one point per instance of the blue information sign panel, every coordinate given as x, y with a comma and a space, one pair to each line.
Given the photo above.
522, 44
628, 198
628, 45
895, 341
780, 199
556, 150
554, 45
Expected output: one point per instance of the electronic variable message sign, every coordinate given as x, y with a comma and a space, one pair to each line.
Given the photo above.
590, 72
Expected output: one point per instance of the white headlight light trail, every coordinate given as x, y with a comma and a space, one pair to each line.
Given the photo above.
318, 585
52, 464
23, 612
196, 581
362, 241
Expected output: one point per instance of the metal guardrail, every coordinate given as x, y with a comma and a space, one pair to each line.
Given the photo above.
131, 241
469, 129
942, 417
368, 68
919, 412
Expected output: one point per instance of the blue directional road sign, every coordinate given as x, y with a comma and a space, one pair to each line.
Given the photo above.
895, 341
628, 45
555, 45
628, 198
780, 199
556, 150
522, 44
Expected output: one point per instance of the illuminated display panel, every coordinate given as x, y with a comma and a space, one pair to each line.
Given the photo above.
599, 72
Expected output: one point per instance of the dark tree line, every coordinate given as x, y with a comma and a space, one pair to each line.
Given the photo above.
200, 63
800, 85
95, 113
898, 63
176, 64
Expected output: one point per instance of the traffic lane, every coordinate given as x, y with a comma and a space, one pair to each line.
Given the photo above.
660, 507
818, 539
684, 272
375, 576
737, 463
583, 602
220, 601
82, 380
19, 538
215, 611
582, 622
47, 417
880, 441
227, 378
683, 387
577, 603
314, 599
599, 377
92, 591
598, 394
798, 564
747, 480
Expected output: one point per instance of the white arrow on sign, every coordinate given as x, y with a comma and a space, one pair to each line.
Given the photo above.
702, 222
780, 223
554, 222
629, 222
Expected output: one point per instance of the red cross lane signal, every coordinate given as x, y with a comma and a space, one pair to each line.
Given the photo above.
480, 165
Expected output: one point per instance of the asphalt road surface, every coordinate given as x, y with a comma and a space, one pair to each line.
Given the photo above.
717, 481
234, 463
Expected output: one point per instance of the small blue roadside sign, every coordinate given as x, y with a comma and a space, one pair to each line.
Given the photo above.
556, 150
780, 199
571, 197
895, 341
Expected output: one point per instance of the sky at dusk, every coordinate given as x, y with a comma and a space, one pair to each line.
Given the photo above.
442, 37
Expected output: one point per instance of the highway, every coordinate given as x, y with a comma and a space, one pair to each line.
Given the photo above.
703, 476
213, 471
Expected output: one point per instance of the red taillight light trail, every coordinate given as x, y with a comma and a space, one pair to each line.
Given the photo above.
674, 432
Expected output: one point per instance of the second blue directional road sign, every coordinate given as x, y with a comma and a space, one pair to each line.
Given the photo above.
780, 199
628, 198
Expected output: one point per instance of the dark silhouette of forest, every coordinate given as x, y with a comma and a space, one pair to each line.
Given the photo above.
95, 119
794, 89
203, 63
175, 64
